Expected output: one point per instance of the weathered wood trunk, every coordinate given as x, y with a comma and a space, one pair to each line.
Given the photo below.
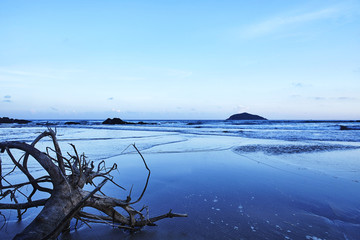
54, 212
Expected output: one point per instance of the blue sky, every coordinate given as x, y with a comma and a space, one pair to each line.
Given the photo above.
180, 59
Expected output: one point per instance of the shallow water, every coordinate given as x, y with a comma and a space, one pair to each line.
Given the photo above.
232, 187
228, 196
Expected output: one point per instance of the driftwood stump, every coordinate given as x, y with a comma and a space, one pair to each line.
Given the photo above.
67, 175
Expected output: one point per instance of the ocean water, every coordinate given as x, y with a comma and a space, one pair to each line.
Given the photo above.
235, 179
280, 130
280, 138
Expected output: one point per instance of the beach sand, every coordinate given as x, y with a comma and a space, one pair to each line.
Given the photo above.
229, 194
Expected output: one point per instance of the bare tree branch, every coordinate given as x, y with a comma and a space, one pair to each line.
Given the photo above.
36, 203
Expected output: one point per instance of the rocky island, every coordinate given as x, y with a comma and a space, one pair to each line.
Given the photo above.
245, 116
113, 121
11, 120
118, 121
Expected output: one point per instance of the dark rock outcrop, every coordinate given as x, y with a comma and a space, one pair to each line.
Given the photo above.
195, 123
114, 121
245, 116
145, 123
11, 120
72, 123
342, 127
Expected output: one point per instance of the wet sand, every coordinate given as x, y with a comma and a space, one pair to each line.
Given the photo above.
234, 195
229, 196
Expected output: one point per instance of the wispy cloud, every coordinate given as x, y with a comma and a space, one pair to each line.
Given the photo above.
178, 73
318, 98
298, 85
345, 98
26, 74
301, 85
240, 108
333, 98
279, 23
7, 98
46, 73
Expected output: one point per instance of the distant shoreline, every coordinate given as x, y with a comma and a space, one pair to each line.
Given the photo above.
190, 119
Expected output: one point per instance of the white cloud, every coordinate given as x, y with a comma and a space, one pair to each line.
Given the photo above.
279, 23
26, 74
240, 109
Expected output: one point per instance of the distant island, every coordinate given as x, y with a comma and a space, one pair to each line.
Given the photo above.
118, 121
11, 120
113, 121
245, 116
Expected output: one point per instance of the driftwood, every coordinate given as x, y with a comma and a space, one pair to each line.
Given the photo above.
67, 175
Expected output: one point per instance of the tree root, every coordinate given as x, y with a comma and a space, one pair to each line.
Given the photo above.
68, 175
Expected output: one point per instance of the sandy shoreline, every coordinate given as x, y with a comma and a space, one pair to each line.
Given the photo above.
228, 195
231, 197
